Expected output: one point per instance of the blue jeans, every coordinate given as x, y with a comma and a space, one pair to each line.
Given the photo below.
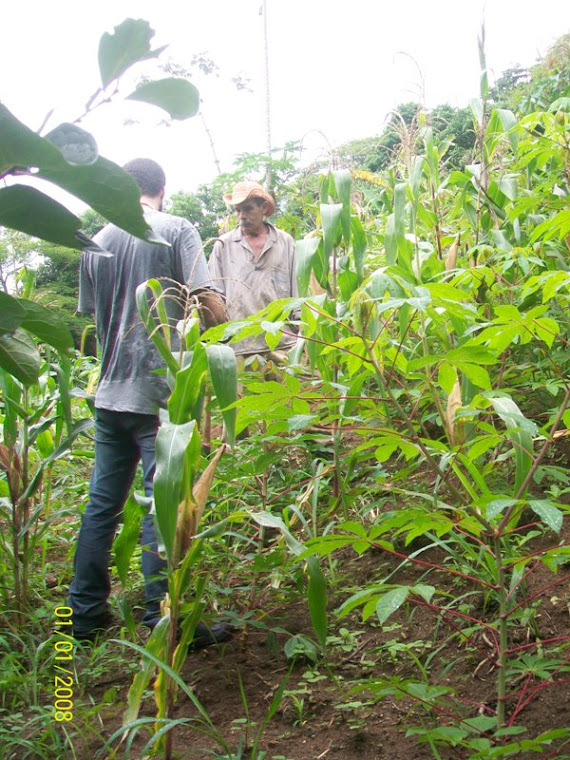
121, 440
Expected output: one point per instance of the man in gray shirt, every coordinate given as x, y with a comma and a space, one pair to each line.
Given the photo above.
130, 391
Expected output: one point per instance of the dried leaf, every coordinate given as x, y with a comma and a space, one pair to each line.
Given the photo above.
453, 404
451, 257
190, 511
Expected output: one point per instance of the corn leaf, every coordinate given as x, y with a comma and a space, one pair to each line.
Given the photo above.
317, 598
223, 374
177, 456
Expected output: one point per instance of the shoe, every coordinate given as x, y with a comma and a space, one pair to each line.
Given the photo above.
90, 635
210, 635
204, 635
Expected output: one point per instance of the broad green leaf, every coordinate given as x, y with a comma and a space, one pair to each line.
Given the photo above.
108, 189
76, 145
179, 98
496, 506
471, 354
476, 374
508, 121
102, 184
358, 246
63, 373
476, 107
223, 374
556, 226
447, 377
424, 590
380, 283
11, 313
300, 421
26, 209
20, 357
172, 477
46, 326
305, 250
129, 44
548, 513
267, 520
128, 537
317, 598
390, 602
396, 245
330, 218
185, 402
521, 435
390, 241
300, 646
21, 147
508, 186
342, 181
456, 357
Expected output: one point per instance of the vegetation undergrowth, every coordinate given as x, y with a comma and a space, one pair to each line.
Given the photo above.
388, 526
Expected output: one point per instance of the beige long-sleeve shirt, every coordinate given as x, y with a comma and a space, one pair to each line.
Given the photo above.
249, 285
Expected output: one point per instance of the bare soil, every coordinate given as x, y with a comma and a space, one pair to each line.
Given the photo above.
332, 722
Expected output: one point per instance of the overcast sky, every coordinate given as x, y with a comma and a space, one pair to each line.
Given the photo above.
336, 69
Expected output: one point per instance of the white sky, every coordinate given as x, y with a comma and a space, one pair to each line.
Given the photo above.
336, 69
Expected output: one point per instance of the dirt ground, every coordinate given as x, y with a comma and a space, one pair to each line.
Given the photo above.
319, 717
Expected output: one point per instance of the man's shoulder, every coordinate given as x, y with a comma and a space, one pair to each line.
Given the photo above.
161, 221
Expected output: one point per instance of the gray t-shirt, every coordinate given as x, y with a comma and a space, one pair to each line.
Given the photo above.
107, 285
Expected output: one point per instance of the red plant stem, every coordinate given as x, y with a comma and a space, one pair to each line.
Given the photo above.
423, 563
535, 554
532, 644
303, 482
324, 343
532, 695
518, 707
537, 594
462, 615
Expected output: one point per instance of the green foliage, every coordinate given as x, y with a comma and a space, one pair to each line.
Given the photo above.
204, 209
67, 156
417, 421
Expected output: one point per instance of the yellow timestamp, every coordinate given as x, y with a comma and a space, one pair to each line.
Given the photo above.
64, 679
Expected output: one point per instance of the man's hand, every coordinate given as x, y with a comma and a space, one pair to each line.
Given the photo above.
212, 307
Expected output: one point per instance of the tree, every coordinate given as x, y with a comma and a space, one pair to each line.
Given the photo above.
17, 250
204, 208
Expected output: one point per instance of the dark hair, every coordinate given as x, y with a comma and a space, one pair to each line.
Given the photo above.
149, 176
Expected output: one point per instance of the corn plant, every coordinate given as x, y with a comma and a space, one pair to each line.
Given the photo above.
37, 428
180, 496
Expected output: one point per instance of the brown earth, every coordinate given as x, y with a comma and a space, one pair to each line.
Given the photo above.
333, 723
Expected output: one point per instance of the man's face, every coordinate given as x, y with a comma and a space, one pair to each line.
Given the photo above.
250, 215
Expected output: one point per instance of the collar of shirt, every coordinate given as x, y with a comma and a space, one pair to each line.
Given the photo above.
238, 237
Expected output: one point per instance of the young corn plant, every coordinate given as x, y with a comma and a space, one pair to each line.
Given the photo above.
37, 430
180, 495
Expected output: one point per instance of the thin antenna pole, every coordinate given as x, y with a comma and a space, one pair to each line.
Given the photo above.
268, 172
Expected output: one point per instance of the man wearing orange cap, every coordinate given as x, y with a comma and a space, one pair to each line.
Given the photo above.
253, 264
